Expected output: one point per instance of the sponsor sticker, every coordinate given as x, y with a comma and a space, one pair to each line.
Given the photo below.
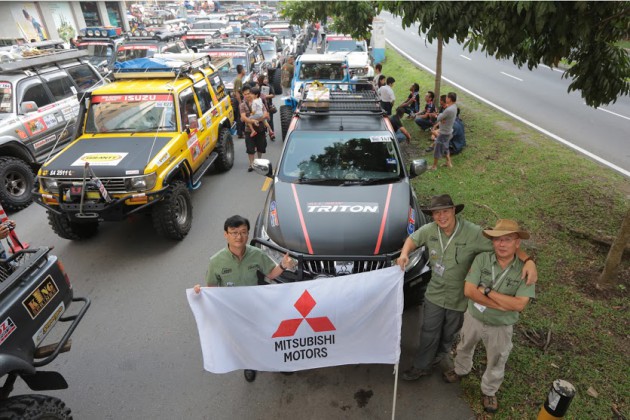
100, 159
133, 98
226, 54
380, 139
273, 214
132, 172
6, 329
45, 140
47, 326
342, 207
5, 85
390, 161
40, 297
138, 47
35, 126
411, 221
50, 120
163, 158
194, 147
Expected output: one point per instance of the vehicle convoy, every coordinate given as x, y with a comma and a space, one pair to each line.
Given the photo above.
341, 201
144, 142
286, 33
35, 295
324, 68
275, 54
38, 113
101, 43
355, 50
205, 31
143, 43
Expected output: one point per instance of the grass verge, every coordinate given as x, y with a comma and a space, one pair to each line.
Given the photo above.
509, 170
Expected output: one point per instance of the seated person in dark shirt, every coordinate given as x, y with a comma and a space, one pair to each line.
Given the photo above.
401, 132
426, 118
412, 104
458, 141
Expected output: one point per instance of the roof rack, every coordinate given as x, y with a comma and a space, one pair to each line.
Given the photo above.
178, 64
343, 98
42, 60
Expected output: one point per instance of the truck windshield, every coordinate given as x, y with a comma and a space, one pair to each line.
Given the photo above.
322, 71
130, 52
351, 156
130, 113
98, 51
345, 45
6, 98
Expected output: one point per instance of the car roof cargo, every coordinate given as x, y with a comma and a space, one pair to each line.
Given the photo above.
162, 66
43, 59
340, 99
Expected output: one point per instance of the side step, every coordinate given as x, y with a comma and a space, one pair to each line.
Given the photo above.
203, 169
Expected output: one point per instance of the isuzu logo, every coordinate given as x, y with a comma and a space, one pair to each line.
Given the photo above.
339, 207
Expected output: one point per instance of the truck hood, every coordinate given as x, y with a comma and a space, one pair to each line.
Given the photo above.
108, 156
337, 220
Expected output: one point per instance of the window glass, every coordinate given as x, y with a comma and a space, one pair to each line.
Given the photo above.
35, 92
83, 76
130, 113
6, 97
60, 85
187, 105
217, 85
203, 96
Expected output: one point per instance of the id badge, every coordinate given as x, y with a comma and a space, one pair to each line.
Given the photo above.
479, 307
438, 269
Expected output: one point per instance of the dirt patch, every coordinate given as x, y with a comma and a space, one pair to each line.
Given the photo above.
362, 397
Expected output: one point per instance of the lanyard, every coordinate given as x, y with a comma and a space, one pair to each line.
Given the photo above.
502, 276
449, 239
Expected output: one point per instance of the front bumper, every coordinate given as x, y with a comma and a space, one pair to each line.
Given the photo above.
96, 209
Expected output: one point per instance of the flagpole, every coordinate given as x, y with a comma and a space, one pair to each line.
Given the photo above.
395, 391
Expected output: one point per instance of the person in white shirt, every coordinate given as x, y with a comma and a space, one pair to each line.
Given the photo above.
386, 93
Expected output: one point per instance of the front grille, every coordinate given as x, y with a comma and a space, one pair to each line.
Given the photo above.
340, 268
112, 185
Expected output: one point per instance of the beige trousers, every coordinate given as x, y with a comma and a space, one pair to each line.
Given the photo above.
498, 343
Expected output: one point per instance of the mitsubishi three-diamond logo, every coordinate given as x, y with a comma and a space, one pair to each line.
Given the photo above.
304, 305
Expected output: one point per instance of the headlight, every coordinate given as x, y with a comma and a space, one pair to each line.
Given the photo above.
97, 32
272, 253
141, 183
414, 259
49, 184
90, 32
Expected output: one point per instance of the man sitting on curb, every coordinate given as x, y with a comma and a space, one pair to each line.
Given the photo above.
496, 295
401, 132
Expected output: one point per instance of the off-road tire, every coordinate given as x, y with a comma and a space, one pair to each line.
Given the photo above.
277, 81
286, 114
67, 229
172, 217
34, 407
225, 150
16, 183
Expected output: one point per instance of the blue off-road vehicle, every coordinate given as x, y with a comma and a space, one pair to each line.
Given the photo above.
327, 69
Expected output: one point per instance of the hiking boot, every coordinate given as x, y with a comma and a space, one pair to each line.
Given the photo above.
451, 377
490, 404
250, 375
413, 374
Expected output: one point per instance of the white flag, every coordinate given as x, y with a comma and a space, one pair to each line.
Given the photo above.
287, 327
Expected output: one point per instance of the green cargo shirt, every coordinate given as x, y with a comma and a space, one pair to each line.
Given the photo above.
511, 285
447, 291
225, 269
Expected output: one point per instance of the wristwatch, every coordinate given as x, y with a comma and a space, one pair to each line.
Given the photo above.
486, 291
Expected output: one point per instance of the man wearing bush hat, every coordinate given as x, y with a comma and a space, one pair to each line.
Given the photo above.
496, 294
452, 244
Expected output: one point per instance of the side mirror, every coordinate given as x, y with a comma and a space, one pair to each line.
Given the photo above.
193, 124
263, 167
417, 167
28, 106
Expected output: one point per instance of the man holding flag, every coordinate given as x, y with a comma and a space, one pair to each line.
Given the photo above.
238, 263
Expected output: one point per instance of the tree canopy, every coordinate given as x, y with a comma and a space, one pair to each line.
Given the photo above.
528, 33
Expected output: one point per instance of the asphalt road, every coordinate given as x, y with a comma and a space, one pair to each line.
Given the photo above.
539, 96
136, 354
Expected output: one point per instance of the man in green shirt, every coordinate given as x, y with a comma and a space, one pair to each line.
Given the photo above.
497, 294
238, 263
237, 99
452, 244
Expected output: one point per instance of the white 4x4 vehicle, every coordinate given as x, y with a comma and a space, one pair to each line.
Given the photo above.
356, 51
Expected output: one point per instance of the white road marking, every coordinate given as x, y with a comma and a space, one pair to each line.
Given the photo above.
610, 112
513, 77
519, 118
552, 68
467, 58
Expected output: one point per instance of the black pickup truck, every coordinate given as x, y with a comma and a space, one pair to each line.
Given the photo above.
35, 294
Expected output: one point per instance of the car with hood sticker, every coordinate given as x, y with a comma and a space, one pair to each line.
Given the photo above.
143, 144
340, 200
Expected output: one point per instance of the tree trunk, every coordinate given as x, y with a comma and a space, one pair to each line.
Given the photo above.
438, 69
611, 267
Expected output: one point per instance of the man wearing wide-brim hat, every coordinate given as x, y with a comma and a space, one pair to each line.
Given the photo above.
452, 244
496, 294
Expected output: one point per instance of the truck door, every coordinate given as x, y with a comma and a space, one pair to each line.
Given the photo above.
195, 132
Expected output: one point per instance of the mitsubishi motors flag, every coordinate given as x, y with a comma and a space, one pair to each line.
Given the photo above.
293, 326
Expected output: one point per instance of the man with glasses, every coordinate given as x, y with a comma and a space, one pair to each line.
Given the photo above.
496, 295
452, 244
238, 263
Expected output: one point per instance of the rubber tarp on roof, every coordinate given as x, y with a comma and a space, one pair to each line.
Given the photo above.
148, 63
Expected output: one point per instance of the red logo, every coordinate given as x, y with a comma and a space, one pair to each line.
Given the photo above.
304, 305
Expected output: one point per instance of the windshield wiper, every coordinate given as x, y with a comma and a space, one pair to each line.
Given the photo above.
329, 181
371, 181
